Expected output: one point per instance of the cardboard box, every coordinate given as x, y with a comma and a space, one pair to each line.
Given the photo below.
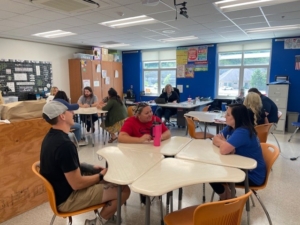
110, 57
104, 51
105, 57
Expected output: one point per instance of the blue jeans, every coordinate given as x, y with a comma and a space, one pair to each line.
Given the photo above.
77, 131
166, 112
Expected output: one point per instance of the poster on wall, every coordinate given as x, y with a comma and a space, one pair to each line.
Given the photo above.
181, 56
25, 76
189, 71
201, 66
297, 63
180, 73
192, 54
292, 43
202, 53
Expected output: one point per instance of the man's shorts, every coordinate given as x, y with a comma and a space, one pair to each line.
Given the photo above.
82, 199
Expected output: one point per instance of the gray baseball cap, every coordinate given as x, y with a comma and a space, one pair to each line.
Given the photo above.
58, 106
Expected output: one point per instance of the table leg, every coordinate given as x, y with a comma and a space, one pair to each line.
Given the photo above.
248, 201
92, 127
179, 198
171, 201
119, 205
147, 218
167, 203
205, 127
232, 188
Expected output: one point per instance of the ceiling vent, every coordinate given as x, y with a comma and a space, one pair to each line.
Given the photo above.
71, 6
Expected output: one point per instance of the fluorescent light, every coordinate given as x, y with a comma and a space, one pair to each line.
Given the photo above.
235, 5
179, 39
277, 28
54, 34
131, 21
115, 45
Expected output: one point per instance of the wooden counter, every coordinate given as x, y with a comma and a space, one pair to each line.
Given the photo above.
20, 144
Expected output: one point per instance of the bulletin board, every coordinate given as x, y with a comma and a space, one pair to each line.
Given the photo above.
23, 76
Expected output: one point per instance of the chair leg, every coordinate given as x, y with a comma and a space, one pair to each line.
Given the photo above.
277, 142
212, 196
293, 134
252, 200
203, 197
263, 206
52, 220
70, 220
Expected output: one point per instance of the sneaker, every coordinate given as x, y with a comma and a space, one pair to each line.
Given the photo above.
112, 220
91, 222
82, 143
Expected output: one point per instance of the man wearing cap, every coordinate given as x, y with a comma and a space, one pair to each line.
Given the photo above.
61, 167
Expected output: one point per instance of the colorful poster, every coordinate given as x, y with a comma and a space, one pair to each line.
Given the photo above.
297, 63
292, 43
201, 66
202, 53
180, 71
189, 71
181, 56
192, 54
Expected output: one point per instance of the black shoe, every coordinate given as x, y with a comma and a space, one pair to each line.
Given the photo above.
88, 128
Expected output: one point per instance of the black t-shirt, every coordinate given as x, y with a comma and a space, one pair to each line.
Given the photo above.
173, 97
58, 156
270, 107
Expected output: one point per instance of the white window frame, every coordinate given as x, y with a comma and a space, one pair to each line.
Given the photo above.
160, 55
242, 47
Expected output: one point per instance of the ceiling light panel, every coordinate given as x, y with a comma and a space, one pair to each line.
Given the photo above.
54, 34
128, 22
276, 28
115, 45
179, 39
235, 5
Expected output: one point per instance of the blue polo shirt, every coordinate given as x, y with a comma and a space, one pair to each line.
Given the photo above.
249, 147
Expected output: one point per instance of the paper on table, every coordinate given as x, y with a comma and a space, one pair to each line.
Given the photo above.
220, 119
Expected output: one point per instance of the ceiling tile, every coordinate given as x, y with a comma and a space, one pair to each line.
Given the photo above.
73, 21
256, 19
244, 13
203, 9
125, 2
286, 33
147, 10
285, 22
284, 16
6, 15
218, 24
116, 12
226, 29
165, 16
27, 19
17, 7
282, 8
13, 24
95, 17
254, 25
216, 17
46, 14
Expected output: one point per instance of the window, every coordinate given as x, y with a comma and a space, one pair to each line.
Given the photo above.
243, 65
159, 69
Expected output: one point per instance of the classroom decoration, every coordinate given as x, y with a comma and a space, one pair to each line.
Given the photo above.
180, 71
25, 76
297, 62
292, 43
189, 70
181, 55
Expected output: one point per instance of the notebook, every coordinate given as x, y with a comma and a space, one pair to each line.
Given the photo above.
160, 101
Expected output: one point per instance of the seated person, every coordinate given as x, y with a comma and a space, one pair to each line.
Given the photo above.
256, 113
239, 137
53, 92
88, 99
115, 116
59, 164
170, 96
137, 129
76, 126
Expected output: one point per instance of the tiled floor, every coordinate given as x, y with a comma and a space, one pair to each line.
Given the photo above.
281, 197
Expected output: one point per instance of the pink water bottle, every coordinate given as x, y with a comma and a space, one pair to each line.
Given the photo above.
156, 133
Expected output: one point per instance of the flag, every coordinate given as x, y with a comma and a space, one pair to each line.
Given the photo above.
297, 63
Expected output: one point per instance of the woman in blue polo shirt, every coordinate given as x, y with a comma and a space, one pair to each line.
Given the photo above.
239, 137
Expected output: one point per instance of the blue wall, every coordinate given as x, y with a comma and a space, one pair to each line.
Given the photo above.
203, 84
283, 63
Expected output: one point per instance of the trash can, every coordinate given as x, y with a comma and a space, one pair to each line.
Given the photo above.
291, 117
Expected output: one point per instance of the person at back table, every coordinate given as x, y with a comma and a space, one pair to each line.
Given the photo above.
137, 129
269, 106
53, 92
115, 116
255, 109
88, 99
59, 164
239, 137
170, 96
76, 126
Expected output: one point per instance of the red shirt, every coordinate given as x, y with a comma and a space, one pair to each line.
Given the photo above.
135, 128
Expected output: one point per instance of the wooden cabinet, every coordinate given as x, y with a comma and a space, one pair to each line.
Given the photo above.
81, 69
279, 95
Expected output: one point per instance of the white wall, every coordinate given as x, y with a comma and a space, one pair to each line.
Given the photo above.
57, 55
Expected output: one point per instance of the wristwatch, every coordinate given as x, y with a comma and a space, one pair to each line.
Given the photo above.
100, 177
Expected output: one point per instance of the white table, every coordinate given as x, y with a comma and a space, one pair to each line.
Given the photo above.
184, 107
90, 111
168, 147
170, 174
126, 166
209, 153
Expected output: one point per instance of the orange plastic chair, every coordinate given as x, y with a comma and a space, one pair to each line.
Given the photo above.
192, 130
205, 109
274, 128
52, 201
130, 111
270, 154
263, 131
213, 213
